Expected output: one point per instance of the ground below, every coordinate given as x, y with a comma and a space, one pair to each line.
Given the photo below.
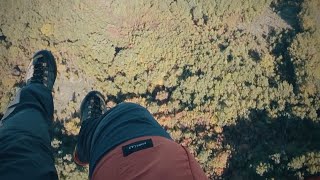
237, 82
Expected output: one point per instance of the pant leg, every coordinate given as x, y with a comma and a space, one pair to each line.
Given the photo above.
88, 128
122, 123
85, 137
159, 159
25, 141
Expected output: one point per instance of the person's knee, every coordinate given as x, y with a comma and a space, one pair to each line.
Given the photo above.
124, 106
130, 104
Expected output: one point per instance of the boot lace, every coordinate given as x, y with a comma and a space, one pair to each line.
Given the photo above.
95, 108
40, 73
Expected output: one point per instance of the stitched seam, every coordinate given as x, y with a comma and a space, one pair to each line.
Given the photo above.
189, 162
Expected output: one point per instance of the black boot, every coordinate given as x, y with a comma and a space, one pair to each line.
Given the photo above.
92, 107
42, 69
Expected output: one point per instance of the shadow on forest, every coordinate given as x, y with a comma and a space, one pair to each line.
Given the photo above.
256, 138
68, 141
289, 11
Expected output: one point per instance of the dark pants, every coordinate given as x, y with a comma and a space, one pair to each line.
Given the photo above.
25, 142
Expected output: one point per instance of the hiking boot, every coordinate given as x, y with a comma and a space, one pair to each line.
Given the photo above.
42, 69
92, 107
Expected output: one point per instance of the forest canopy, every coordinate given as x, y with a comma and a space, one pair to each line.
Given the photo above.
237, 82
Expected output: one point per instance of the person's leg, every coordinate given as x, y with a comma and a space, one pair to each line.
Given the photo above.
128, 143
92, 108
25, 142
149, 157
124, 122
